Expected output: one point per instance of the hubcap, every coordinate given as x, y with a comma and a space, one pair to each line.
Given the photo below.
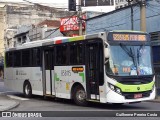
27, 89
80, 95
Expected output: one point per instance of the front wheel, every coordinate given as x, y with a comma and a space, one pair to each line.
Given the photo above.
27, 90
79, 96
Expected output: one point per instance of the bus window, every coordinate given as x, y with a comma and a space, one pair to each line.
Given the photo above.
17, 58
26, 58
76, 54
35, 57
9, 59
61, 55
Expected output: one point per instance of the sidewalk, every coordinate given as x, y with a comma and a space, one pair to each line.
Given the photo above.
6, 103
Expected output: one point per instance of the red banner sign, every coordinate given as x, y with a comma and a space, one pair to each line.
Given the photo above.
68, 24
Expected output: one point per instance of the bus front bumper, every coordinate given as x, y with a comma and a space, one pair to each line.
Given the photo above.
113, 97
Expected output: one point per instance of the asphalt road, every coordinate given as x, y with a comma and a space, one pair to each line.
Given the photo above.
39, 103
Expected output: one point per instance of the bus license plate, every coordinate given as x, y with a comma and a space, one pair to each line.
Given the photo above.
137, 95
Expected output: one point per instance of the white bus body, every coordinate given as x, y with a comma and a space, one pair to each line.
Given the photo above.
88, 80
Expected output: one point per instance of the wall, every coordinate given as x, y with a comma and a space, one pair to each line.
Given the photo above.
120, 19
2, 27
17, 14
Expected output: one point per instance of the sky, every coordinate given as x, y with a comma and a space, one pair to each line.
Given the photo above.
39, 1
64, 4
56, 3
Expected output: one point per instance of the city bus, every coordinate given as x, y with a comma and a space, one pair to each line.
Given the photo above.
108, 67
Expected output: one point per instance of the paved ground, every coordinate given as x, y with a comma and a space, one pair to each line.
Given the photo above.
8, 103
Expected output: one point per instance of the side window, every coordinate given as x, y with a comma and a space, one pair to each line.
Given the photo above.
61, 55
9, 59
26, 57
36, 57
76, 54
17, 58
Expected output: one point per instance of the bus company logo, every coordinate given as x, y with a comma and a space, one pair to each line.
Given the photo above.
77, 69
138, 88
6, 114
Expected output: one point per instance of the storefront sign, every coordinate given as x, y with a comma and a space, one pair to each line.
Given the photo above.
71, 24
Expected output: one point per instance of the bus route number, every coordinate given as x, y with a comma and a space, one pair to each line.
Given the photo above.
65, 72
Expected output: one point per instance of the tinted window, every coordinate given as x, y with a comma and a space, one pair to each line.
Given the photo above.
17, 59
61, 55
76, 54
25, 57
9, 59
36, 57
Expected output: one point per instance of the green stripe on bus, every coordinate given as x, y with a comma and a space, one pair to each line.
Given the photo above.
56, 77
82, 75
135, 88
76, 38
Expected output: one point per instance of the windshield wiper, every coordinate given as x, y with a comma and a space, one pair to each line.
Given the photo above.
139, 54
129, 52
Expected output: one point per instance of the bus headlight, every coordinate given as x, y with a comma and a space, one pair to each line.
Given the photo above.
114, 88
118, 90
111, 86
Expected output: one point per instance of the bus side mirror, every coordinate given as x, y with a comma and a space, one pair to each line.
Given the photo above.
106, 53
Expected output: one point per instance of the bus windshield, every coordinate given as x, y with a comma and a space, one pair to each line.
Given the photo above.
129, 60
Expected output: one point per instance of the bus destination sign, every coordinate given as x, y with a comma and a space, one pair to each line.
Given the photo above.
128, 37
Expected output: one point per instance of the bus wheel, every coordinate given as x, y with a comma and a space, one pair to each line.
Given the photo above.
27, 90
79, 96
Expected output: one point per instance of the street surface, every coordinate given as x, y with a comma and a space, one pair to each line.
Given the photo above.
39, 103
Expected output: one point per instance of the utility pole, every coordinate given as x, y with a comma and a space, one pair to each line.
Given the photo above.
143, 15
132, 27
79, 17
130, 3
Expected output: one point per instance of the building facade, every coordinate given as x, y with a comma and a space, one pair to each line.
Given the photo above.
14, 15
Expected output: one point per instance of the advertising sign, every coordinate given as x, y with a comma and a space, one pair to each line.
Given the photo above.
71, 24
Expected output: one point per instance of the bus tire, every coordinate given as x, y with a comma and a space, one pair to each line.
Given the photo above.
27, 90
79, 96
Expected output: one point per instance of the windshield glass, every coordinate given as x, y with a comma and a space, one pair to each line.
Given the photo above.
129, 60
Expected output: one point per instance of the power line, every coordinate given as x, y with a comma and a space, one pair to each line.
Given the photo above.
153, 11
152, 6
117, 21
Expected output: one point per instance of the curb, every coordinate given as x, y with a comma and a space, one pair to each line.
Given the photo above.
11, 107
13, 103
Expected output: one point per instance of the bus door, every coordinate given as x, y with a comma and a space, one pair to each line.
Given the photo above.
49, 85
93, 69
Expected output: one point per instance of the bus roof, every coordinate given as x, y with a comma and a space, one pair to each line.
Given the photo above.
56, 40
132, 31
59, 40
